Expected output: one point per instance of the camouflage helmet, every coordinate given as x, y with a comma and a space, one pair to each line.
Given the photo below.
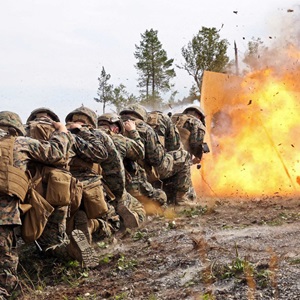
40, 110
199, 110
11, 119
112, 118
136, 109
90, 114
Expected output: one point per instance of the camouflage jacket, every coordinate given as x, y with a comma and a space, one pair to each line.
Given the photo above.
26, 149
165, 129
154, 150
197, 132
86, 151
112, 167
130, 146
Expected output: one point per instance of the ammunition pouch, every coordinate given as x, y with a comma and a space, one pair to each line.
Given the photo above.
13, 181
93, 200
59, 185
35, 219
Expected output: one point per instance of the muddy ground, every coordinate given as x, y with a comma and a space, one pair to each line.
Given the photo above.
221, 249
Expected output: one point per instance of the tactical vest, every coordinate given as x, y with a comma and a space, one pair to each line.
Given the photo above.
13, 181
153, 121
179, 120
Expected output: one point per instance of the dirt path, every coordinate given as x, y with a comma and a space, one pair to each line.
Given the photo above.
219, 250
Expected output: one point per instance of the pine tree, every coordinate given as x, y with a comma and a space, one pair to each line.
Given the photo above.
154, 68
104, 91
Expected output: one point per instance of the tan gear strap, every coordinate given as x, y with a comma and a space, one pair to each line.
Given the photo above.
153, 119
179, 120
184, 137
13, 181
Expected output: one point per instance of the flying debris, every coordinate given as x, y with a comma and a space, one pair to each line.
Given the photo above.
250, 101
290, 10
235, 11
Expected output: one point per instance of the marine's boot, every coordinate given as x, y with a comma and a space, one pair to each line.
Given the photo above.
80, 249
130, 218
181, 199
82, 223
101, 229
191, 194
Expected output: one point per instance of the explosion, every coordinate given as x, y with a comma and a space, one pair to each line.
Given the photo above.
253, 125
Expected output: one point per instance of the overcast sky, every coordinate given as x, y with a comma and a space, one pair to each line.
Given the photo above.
52, 51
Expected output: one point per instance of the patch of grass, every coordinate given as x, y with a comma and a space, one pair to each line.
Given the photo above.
102, 245
36, 271
121, 296
295, 261
171, 225
263, 278
207, 296
126, 264
138, 235
244, 271
106, 259
194, 211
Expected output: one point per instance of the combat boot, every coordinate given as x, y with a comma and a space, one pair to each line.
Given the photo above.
80, 249
101, 229
130, 219
82, 223
181, 199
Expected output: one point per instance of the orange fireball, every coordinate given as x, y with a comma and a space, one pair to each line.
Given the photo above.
253, 125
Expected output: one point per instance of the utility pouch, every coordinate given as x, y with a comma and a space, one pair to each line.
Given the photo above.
35, 219
76, 195
58, 187
93, 200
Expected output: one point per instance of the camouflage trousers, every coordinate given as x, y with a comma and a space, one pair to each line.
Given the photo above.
140, 188
54, 234
8, 260
176, 167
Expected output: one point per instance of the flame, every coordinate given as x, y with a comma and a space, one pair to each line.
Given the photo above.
253, 125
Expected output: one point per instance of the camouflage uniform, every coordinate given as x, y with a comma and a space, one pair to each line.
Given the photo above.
114, 176
39, 126
25, 149
111, 166
172, 165
192, 130
131, 149
140, 185
191, 125
88, 153
167, 132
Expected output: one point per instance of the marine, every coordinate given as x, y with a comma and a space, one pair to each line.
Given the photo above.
17, 150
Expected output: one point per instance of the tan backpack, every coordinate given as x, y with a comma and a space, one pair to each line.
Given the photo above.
179, 120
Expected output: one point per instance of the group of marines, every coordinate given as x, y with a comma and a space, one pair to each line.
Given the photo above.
64, 185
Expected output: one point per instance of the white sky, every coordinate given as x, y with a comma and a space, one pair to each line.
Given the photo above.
52, 51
